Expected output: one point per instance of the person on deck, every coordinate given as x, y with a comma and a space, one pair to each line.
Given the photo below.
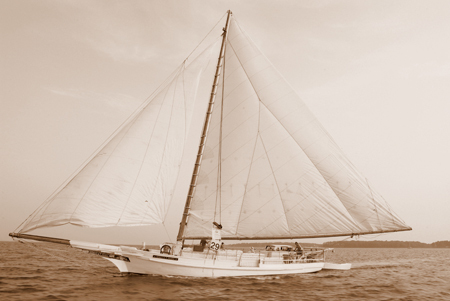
298, 249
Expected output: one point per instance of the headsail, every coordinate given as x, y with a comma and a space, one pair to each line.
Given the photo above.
131, 180
271, 167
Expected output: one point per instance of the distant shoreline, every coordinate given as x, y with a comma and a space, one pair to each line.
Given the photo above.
385, 244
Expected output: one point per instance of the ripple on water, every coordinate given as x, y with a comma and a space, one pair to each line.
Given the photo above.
377, 274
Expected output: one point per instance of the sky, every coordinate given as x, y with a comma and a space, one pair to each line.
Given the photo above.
375, 73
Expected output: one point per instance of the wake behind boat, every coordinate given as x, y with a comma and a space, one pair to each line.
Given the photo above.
265, 170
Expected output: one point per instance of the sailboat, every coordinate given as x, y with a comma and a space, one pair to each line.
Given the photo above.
265, 170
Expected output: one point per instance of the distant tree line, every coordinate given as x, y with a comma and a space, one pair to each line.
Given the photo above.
262, 245
386, 244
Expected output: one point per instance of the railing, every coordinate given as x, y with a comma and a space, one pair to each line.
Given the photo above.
256, 258
209, 254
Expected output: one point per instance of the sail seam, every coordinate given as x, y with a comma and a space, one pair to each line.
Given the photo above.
374, 204
158, 178
319, 210
230, 133
352, 222
258, 134
245, 189
44, 206
184, 146
349, 167
251, 161
275, 178
101, 169
245, 71
326, 179
184, 103
265, 105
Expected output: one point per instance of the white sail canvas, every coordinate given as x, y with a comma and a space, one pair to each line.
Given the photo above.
271, 168
131, 180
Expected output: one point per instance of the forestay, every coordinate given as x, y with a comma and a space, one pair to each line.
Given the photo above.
280, 174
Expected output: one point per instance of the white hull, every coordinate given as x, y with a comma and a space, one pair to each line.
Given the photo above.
208, 267
222, 263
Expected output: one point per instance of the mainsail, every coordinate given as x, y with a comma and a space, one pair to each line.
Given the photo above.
131, 180
270, 170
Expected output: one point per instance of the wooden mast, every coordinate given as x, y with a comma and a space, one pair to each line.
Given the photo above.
201, 147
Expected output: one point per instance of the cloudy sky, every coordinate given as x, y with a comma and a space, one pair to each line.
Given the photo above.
375, 73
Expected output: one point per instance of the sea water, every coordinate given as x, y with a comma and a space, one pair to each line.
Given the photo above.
42, 271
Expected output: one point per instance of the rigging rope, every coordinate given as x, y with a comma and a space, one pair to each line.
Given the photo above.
219, 161
206, 36
167, 233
